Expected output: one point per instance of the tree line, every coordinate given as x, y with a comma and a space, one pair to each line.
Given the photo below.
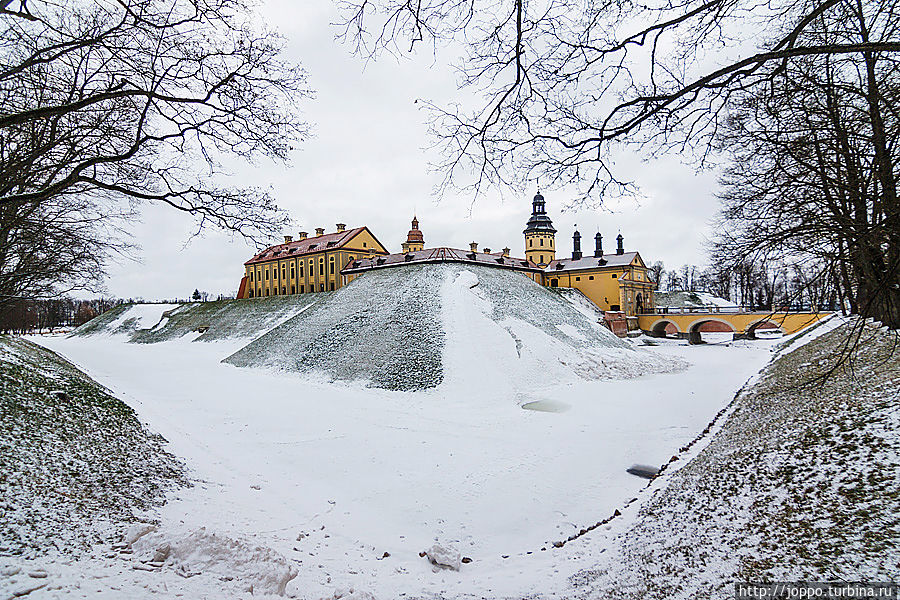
758, 285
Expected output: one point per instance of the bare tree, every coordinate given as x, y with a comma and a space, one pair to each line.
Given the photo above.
564, 83
106, 104
559, 84
813, 176
657, 272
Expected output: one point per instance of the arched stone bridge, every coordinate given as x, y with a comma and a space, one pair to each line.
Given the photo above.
688, 324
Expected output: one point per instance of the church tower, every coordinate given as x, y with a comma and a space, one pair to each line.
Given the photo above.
540, 238
414, 239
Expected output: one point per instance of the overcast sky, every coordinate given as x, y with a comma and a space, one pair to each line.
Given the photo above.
367, 164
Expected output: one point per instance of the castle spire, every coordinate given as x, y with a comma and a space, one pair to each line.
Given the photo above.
540, 235
414, 239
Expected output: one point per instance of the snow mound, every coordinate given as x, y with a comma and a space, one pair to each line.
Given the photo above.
383, 328
801, 481
412, 327
444, 555
75, 462
221, 319
139, 316
255, 568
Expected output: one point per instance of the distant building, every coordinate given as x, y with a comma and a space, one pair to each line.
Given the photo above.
614, 282
414, 239
308, 264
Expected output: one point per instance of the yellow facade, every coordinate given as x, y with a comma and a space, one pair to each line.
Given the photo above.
626, 288
540, 247
315, 267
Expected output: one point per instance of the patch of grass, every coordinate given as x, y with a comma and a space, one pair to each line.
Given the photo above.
75, 462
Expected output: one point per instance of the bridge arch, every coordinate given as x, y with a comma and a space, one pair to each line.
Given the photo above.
750, 332
663, 328
695, 328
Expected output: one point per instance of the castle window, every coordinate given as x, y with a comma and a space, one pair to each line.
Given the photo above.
283, 291
332, 286
578, 279
331, 265
321, 266
530, 243
542, 241
591, 277
542, 258
267, 291
364, 244
251, 275
251, 293
321, 287
614, 276
292, 271
554, 283
293, 290
267, 274
300, 269
302, 289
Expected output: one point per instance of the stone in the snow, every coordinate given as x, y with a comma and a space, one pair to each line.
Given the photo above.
445, 556
645, 471
136, 532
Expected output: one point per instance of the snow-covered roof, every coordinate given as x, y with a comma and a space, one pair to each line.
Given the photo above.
439, 255
684, 299
591, 262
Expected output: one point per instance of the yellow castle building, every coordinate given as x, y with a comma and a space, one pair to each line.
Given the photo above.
308, 264
614, 282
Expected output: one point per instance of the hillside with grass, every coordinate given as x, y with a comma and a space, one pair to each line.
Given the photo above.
407, 327
76, 465
801, 483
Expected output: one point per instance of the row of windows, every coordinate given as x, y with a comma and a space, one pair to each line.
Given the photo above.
284, 292
264, 273
541, 240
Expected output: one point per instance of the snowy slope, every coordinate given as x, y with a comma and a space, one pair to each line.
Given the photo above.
75, 463
308, 478
800, 483
399, 328
383, 328
221, 319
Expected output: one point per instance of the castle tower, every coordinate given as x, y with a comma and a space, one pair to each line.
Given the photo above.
540, 235
414, 239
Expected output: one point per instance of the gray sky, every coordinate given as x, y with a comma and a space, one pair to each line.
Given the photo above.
367, 165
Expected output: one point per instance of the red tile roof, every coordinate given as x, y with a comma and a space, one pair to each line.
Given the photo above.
329, 241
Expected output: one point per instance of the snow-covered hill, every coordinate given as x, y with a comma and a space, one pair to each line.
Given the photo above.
800, 483
412, 327
206, 321
75, 463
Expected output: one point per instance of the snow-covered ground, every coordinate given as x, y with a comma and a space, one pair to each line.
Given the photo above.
327, 478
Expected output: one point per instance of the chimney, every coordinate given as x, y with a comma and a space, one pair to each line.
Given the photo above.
302, 235
341, 227
320, 231
288, 239
473, 246
506, 252
576, 246
598, 245
621, 248
487, 250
